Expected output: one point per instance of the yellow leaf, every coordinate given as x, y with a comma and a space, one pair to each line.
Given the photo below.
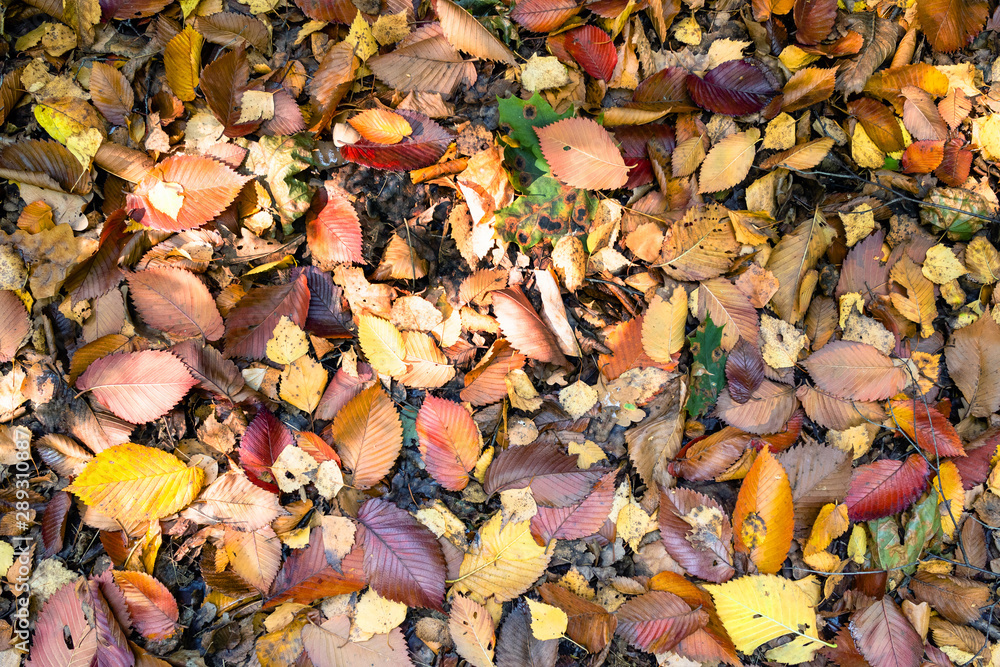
167, 198
382, 344
360, 38
302, 383
663, 325
472, 630
830, 524
288, 342
918, 305
728, 162
503, 563
131, 482
759, 608
864, 151
547, 622
941, 266
84, 145
390, 28
857, 545
780, 132
182, 58
381, 126
951, 503
633, 523
66, 117
588, 453
375, 615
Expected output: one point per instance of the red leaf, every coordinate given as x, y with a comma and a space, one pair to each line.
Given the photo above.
708, 457
734, 88
403, 560
923, 157
594, 50
703, 548
422, 148
590, 624
975, 467
634, 139
260, 446
176, 302
14, 324
449, 442
153, 609
522, 326
111, 93
54, 523
100, 272
62, 634
553, 477
307, 577
576, 521
884, 637
251, 323
885, 487
932, 431
544, 15
814, 20
201, 186
138, 386
326, 317
115, 650
744, 370
332, 228
657, 621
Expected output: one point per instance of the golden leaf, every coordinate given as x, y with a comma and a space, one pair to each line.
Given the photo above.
382, 344
504, 561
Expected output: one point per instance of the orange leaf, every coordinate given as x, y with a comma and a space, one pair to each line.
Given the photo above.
582, 154
930, 429
801, 157
381, 126
176, 302
923, 157
333, 231
485, 384
951, 24
763, 520
14, 324
449, 441
807, 87
522, 326
368, 435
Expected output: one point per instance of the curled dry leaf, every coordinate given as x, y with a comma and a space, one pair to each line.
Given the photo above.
523, 327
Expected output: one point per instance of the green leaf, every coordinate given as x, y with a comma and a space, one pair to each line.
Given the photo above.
523, 155
279, 159
545, 213
708, 369
924, 524
887, 550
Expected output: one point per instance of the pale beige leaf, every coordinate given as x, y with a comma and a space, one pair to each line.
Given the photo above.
663, 325
467, 34
728, 162
233, 500
472, 631
700, 245
255, 556
791, 260
767, 411
428, 367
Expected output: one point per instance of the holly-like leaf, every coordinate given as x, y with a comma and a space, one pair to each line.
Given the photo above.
708, 367
886, 487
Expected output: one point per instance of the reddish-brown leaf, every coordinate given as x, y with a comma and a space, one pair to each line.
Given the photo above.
975, 466
332, 81
697, 534
808, 86
763, 515
884, 637
813, 20
625, 342
449, 441
766, 411
14, 324
708, 457
100, 272
955, 107
930, 429
403, 560
342, 388
544, 15
709, 643
111, 93
744, 371
485, 384
956, 598
955, 164
176, 302
835, 413
260, 446
223, 81
590, 624
46, 164
54, 523
855, 371
657, 621
523, 327
138, 386
664, 91
879, 123
230, 29
307, 576
951, 24
594, 50
734, 88
553, 477
422, 148
333, 231
63, 635
576, 521
921, 115
251, 323
152, 608
425, 62
368, 435
885, 487
214, 373
193, 189
863, 270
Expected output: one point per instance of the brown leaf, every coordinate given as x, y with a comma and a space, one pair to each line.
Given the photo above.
111, 93
949, 26
880, 37
306, 576
590, 625
518, 647
921, 115
657, 621
467, 34
425, 62
879, 123
251, 324
485, 384
730, 309
553, 477
956, 598
918, 304
522, 326
729, 161
177, 302
697, 534
701, 245
884, 637
973, 356
836, 413
744, 371
14, 324
818, 475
